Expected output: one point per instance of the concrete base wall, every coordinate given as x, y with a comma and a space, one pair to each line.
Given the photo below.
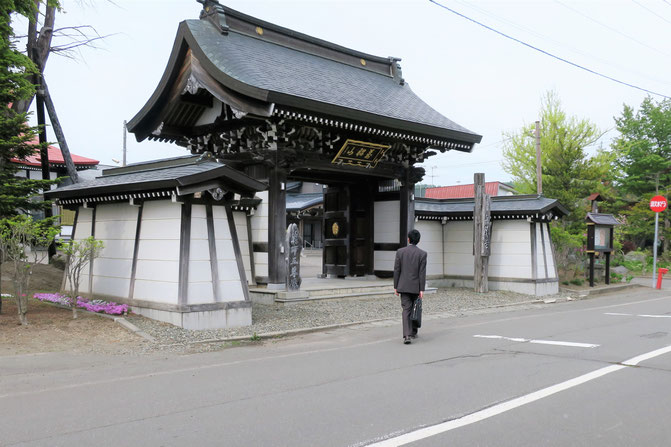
527, 288
198, 320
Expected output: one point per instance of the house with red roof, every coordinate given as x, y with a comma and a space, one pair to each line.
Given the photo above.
494, 189
31, 166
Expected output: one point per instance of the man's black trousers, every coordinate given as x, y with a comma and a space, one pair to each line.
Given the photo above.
407, 301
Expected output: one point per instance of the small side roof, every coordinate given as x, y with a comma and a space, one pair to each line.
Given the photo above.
297, 202
183, 175
522, 205
601, 219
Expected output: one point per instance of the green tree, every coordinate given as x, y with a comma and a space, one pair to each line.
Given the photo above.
79, 255
644, 158
23, 243
569, 174
16, 194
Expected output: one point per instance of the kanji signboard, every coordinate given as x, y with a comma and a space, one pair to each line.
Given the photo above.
360, 153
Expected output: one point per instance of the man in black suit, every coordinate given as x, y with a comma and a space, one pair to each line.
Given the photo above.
409, 280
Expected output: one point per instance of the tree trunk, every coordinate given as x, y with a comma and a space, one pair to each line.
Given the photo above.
75, 292
60, 136
38, 48
21, 303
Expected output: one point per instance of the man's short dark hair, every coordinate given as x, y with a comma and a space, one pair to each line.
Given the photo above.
413, 236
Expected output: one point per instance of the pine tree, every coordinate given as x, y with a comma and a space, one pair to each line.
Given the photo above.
16, 194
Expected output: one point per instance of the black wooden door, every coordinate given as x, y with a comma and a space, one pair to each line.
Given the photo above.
348, 230
336, 231
361, 229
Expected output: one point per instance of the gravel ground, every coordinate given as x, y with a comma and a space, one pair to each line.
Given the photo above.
270, 319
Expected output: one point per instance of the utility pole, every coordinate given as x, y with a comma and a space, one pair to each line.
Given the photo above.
432, 175
539, 178
123, 162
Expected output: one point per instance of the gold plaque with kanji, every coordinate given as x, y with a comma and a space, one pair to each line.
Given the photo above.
360, 153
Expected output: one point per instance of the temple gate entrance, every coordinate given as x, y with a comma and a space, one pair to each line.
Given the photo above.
348, 230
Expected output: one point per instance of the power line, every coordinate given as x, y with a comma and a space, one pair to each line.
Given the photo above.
563, 44
615, 30
548, 53
651, 11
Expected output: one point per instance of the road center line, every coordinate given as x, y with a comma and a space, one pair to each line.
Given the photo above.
487, 413
635, 315
541, 342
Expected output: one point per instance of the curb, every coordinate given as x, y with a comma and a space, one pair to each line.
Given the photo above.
134, 329
600, 290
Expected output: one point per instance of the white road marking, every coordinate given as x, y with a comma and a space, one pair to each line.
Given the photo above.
637, 315
487, 413
541, 342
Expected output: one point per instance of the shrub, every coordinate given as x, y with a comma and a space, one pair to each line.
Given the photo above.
577, 281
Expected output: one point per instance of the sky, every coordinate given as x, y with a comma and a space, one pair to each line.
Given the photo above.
483, 81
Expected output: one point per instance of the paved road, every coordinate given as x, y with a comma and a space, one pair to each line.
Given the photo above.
551, 376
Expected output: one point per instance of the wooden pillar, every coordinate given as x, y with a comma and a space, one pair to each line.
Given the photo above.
277, 217
607, 267
481, 234
591, 269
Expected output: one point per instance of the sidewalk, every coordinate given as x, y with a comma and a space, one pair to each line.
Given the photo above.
278, 320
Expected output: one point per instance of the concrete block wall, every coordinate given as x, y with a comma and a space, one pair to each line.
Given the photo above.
510, 249
115, 226
458, 246
157, 274
387, 215
260, 233
431, 242
241, 227
200, 288
230, 285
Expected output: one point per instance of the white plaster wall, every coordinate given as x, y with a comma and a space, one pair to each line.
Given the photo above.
552, 268
260, 233
229, 276
384, 260
510, 249
387, 217
243, 238
458, 239
83, 230
115, 227
431, 241
200, 288
540, 259
157, 274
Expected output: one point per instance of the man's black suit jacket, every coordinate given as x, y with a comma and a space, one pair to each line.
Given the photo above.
410, 270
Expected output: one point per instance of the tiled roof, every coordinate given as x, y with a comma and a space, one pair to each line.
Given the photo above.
502, 205
297, 202
460, 191
55, 158
148, 178
275, 68
601, 219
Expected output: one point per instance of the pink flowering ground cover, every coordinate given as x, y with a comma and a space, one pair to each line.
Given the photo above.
99, 306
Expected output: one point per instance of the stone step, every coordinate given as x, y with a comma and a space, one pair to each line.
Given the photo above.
270, 296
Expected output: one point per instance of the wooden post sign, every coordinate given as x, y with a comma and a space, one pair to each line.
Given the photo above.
293, 258
482, 234
599, 240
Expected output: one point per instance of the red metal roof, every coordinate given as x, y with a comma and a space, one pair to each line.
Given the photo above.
55, 158
460, 191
